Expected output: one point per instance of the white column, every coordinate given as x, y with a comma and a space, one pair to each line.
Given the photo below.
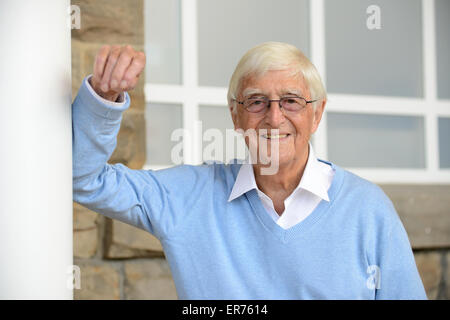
35, 150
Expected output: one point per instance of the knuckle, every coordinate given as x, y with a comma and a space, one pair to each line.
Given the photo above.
128, 77
137, 64
141, 55
110, 66
113, 59
115, 51
99, 62
101, 57
104, 48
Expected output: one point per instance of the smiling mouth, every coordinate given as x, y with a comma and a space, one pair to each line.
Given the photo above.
275, 136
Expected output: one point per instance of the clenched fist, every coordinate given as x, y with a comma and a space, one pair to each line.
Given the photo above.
116, 69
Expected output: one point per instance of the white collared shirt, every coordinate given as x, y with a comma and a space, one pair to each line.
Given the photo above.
312, 189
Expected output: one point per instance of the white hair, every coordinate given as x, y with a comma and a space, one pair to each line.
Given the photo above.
275, 56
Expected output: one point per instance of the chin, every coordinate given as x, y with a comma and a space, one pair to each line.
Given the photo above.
284, 159
286, 156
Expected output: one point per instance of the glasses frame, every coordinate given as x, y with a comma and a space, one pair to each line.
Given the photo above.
276, 100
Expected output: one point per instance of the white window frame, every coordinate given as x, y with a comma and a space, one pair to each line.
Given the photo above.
190, 95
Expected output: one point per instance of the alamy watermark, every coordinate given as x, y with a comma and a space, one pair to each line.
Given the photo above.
374, 19
260, 146
73, 277
374, 279
74, 18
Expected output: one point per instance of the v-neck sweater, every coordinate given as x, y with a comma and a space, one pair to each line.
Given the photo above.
352, 247
312, 188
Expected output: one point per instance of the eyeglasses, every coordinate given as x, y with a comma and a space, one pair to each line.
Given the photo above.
262, 104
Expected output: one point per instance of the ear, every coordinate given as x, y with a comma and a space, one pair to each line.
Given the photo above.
318, 114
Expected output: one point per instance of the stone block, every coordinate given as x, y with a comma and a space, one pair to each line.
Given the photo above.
85, 243
126, 241
149, 279
131, 142
84, 232
425, 213
110, 21
429, 266
98, 282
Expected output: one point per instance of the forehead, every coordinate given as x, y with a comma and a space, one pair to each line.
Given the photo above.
273, 82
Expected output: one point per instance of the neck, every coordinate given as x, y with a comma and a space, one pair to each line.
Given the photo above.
285, 180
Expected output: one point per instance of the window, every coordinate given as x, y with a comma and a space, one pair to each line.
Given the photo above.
388, 114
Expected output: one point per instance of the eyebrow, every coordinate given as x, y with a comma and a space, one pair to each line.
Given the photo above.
252, 91
294, 91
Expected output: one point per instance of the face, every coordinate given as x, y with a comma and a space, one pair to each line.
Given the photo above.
295, 129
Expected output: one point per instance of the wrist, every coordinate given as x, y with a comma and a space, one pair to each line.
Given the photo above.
110, 95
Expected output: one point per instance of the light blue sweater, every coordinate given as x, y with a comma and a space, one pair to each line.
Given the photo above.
353, 247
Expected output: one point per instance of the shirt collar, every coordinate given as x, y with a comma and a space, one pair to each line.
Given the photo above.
314, 179
245, 181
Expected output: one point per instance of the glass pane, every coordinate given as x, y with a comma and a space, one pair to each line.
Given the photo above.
227, 29
444, 142
385, 61
219, 118
371, 141
161, 121
443, 48
163, 41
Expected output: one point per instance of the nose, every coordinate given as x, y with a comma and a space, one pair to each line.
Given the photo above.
274, 116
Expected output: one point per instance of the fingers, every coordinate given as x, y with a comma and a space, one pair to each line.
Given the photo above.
117, 69
100, 63
131, 76
124, 61
110, 64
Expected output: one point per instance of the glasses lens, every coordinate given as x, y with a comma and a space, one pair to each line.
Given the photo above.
293, 103
255, 104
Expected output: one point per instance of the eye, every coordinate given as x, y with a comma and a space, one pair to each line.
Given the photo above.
291, 100
255, 101
256, 105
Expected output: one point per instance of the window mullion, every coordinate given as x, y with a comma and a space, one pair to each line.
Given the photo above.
191, 149
317, 40
430, 85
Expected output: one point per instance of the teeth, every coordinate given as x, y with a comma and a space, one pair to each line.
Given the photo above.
274, 136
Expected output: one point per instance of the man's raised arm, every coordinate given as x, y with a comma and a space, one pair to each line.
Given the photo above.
112, 190
155, 201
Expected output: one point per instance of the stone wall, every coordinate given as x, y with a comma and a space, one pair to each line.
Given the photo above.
425, 214
118, 261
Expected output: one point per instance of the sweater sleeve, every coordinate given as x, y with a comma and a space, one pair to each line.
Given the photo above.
395, 275
146, 199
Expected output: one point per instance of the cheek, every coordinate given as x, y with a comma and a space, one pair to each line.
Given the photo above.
250, 123
304, 128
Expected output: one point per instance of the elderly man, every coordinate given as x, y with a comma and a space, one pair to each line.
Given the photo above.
310, 230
